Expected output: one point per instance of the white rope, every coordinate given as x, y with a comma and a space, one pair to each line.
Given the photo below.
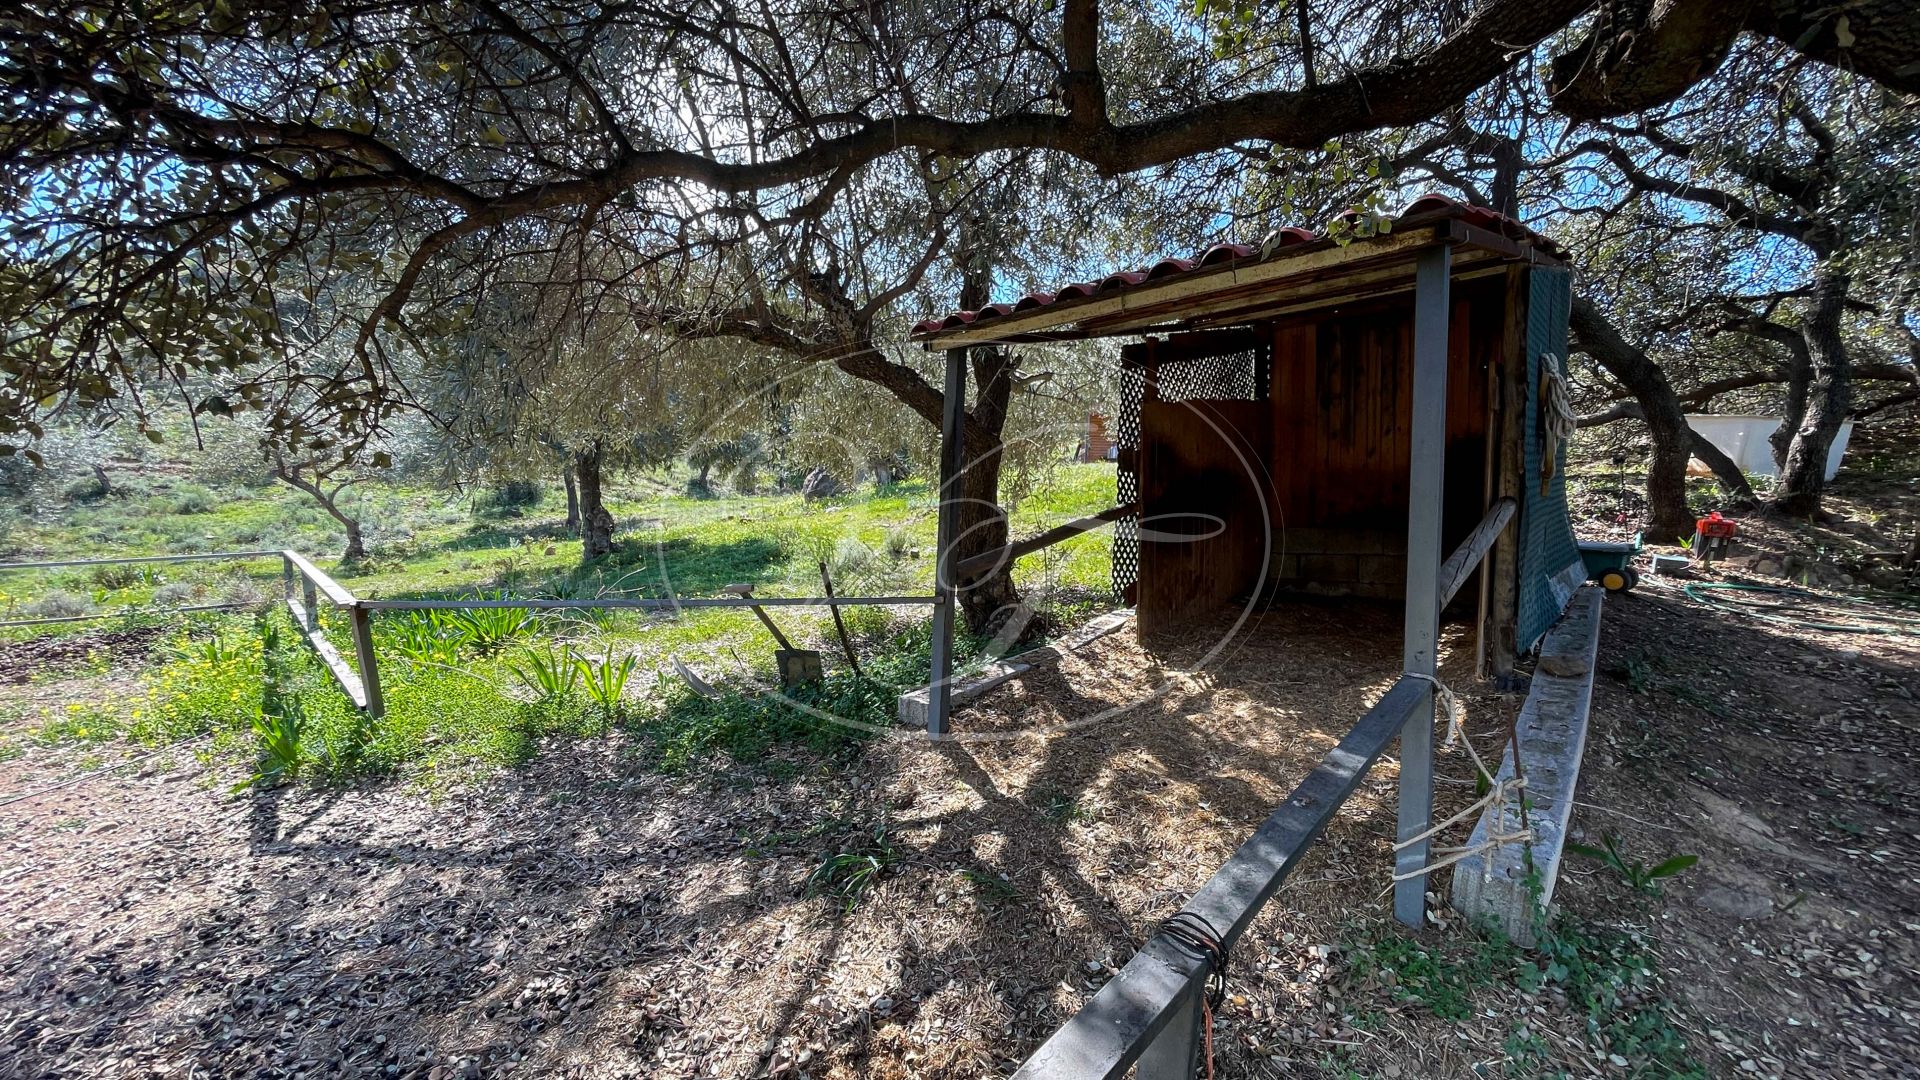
1498, 792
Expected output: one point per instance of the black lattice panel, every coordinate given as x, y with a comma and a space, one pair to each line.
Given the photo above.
1126, 531
1233, 376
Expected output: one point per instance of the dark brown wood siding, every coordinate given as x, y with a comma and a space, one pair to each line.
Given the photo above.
1341, 420
1203, 487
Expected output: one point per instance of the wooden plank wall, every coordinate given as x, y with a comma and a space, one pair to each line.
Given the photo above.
1341, 412
1200, 460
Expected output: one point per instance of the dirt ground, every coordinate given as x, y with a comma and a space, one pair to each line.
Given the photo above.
585, 917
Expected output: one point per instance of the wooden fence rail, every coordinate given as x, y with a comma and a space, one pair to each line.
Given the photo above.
306, 588
1473, 550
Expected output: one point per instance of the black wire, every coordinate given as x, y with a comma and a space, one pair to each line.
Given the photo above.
1198, 937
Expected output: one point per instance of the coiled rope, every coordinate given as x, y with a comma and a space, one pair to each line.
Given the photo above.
1558, 421
1498, 792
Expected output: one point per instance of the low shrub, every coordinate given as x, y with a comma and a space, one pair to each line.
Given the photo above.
59, 604
507, 500
178, 594
194, 499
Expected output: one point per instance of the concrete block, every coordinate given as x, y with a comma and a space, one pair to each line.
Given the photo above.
1491, 887
1381, 570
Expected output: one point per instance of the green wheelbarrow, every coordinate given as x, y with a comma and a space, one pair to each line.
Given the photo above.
1611, 562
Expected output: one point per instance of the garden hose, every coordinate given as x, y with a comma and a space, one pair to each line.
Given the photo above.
1802, 608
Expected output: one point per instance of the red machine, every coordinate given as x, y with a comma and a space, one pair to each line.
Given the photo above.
1712, 536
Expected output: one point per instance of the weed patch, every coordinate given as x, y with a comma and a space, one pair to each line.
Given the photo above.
846, 875
1599, 984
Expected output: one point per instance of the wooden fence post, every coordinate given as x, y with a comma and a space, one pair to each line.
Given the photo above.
1426, 502
368, 663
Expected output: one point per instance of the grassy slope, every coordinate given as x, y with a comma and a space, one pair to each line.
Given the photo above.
206, 679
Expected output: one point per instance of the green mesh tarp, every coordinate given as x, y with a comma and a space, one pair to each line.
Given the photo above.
1550, 566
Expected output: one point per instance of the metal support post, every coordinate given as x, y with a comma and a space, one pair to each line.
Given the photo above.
1174, 1054
1425, 504
952, 459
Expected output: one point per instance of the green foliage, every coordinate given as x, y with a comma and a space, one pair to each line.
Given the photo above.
605, 680
509, 499
344, 749
831, 718
992, 888
1605, 978
1636, 672
1062, 808
455, 707
1638, 876
279, 727
551, 675
279, 739
128, 575
59, 604
210, 684
489, 629
427, 637
1442, 982
846, 875
759, 845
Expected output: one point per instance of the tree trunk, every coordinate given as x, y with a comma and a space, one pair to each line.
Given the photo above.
1667, 515
596, 531
1803, 475
987, 602
1799, 382
1725, 470
573, 499
356, 546
295, 477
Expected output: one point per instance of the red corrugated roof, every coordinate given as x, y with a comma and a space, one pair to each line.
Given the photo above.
1427, 208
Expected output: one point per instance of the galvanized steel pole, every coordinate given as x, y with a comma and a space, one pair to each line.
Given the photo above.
1426, 501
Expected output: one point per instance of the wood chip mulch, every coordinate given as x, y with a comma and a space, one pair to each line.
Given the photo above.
583, 916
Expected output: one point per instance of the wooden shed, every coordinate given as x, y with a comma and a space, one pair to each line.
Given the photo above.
1267, 429
1369, 416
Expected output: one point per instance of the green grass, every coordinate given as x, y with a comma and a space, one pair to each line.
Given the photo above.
455, 703
1604, 979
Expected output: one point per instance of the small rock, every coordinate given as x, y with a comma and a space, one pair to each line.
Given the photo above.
1736, 903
